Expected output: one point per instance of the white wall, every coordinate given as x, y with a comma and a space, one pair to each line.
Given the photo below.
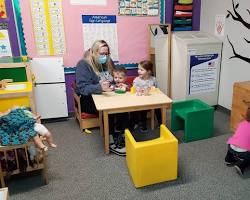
232, 70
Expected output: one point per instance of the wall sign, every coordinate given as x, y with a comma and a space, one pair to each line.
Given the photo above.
203, 73
5, 49
139, 7
100, 27
48, 26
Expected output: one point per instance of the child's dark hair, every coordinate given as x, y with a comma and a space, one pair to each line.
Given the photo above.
248, 114
147, 65
120, 70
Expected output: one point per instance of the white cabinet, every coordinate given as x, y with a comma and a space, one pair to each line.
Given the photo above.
195, 66
160, 51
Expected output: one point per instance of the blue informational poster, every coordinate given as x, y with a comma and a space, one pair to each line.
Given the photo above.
203, 73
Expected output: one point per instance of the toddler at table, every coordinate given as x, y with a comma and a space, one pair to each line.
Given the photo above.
143, 83
238, 154
121, 119
119, 83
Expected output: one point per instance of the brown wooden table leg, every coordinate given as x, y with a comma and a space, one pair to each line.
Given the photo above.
106, 131
101, 123
164, 115
152, 116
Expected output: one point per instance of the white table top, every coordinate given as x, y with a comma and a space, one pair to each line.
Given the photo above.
112, 100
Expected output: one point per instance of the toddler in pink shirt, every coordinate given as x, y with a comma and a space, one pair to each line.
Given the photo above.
238, 153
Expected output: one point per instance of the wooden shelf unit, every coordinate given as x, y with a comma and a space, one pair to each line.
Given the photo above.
22, 97
240, 102
41, 165
182, 16
159, 54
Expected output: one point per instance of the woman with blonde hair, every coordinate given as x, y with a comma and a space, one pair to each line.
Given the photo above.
93, 76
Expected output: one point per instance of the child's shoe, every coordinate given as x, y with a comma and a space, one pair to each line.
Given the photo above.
230, 160
239, 170
143, 129
118, 150
240, 167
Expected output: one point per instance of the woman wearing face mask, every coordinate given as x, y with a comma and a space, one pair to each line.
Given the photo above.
93, 76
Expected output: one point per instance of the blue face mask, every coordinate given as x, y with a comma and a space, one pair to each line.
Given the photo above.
102, 59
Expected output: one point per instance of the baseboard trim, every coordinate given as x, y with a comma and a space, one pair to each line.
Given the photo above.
224, 109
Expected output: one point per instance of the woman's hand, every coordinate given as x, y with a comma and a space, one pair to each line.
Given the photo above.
105, 86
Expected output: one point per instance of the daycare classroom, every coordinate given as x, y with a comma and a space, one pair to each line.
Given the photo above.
124, 99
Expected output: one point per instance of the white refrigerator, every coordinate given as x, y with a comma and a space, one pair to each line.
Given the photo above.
50, 89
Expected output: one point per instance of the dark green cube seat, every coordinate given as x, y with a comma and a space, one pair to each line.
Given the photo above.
195, 117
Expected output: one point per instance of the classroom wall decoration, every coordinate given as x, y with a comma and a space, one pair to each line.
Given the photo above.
5, 49
102, 27
3, 13
11, 27
235, 14
89, 2
48, 26
139, 7
19, 27
132, 32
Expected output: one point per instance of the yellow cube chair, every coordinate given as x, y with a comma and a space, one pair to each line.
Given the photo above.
152, 161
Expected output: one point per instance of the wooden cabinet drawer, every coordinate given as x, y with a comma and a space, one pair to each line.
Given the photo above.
240, 102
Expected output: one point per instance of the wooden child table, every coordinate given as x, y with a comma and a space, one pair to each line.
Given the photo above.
111, 103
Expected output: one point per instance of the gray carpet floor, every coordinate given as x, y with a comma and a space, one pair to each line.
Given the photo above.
79, 169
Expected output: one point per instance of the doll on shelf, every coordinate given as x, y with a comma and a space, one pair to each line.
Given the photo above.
19, 125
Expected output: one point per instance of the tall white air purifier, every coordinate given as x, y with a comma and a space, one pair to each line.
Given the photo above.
195, 66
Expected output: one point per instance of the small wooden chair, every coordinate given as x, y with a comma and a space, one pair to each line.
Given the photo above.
85, 120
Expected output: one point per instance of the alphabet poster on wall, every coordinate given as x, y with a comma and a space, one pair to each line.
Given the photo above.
139, 7
100, 27
48, 26
203, 73
5, 49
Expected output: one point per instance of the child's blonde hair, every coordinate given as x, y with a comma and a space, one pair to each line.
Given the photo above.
92, 56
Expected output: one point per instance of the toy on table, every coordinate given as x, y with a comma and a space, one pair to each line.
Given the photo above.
19, 125
144, 90
2, 85
120, 88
